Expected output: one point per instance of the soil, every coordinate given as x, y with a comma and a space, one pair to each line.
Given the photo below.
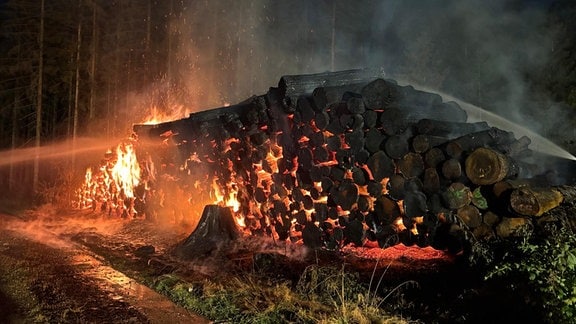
47, 277
71, 266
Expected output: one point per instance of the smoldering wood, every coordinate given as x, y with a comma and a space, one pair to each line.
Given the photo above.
396, 146
380, 165
392, 121
516, 148
373, 140
347, 194
411, 165
434, 156
359, 176
323, 96
355, 105
415, 203
375, 189
412, 96
396, 186
334, 143
380, 93
370, 118
454, 150
449, 129
487, 138
470, 215
386, 210
292, 86
317, 139
431, 181
362, 156
457, 195
354, 232
355, 140
452, 169
335, 127
321, 120
321, 154
422, 143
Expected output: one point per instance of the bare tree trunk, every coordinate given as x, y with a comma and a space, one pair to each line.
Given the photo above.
77, 84
14, 135
170, 54
37, 141
92, 108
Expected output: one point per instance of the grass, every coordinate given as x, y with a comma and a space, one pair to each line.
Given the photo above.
322, 295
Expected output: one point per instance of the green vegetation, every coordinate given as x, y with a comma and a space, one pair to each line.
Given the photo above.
548, 267
322, 295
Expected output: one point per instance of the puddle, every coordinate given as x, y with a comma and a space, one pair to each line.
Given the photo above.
156, 307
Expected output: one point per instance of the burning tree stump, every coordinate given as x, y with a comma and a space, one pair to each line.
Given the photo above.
216, 227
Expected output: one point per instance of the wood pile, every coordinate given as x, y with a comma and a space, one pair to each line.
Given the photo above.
350, 157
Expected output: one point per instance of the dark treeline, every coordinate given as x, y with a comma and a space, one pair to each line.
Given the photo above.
71, 68
93, 53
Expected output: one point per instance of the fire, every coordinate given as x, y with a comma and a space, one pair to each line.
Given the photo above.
157, 116
112, 186
126, 171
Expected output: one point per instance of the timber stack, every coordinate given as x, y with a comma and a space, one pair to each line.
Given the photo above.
331, 159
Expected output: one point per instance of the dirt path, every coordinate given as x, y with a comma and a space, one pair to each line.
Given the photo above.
64, 282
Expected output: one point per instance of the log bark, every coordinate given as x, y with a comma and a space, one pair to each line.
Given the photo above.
422, 143
535, 201
293, 86
449, 129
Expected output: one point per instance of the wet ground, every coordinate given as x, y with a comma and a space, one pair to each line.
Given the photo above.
78, 267
48, 276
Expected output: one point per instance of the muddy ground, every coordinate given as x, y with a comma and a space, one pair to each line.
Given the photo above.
48, 276
76, 266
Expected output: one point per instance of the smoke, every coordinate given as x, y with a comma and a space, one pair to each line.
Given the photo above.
479, 51
46, 226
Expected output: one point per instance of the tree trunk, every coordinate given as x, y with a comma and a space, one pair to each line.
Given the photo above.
37, 141
77, 85
92, 107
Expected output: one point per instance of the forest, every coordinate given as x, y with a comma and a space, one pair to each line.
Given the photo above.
92, 68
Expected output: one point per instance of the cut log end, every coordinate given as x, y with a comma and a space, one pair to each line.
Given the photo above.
485, 166
534, 202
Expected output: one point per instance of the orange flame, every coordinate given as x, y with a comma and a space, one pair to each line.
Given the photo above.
157, 116
126, 171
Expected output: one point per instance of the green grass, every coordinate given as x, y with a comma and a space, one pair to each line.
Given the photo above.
322, 295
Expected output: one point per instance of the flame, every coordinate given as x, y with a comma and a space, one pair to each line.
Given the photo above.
113, 184
126, 171
157, 116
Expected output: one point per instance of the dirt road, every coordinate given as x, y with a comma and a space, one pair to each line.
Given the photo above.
46, 278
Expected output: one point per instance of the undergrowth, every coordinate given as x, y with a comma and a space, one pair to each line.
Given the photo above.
322, 295
548, 267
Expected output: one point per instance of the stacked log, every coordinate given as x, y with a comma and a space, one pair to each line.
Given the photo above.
332, 159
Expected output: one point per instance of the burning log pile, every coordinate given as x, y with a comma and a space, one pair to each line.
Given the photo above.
349, 157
